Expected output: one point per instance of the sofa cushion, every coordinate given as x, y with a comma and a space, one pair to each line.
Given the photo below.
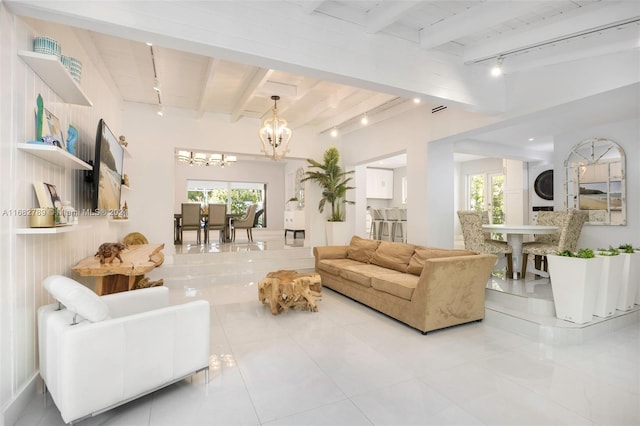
423, 253
334, 266
361, 273
361, 249
393, 255
397, 284
77, 298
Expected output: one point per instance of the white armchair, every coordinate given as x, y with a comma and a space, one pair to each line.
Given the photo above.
100, 352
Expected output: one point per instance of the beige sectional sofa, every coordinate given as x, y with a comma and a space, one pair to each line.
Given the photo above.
427, 288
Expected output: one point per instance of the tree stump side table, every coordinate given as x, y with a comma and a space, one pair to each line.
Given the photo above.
285, 289
119, 276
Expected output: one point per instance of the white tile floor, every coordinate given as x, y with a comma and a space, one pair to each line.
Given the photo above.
349, 365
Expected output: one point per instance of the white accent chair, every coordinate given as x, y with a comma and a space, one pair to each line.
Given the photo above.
99, 352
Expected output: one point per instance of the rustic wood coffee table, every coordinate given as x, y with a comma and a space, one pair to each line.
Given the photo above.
286, 289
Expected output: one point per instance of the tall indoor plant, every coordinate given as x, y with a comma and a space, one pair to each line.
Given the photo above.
334, 182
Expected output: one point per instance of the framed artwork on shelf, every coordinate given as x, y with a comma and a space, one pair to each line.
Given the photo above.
48, 196
55, 129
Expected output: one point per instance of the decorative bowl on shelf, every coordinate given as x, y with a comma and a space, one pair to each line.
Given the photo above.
47, 46
75, 68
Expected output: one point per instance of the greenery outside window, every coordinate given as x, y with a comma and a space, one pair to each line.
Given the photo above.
236, 195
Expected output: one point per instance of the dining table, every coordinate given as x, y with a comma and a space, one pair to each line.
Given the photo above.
515, 237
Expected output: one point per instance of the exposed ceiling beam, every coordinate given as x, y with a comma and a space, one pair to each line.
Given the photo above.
257, 78
601, 17
474, 19
385, 16
207, 89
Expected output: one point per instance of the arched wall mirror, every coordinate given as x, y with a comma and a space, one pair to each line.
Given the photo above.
595, 181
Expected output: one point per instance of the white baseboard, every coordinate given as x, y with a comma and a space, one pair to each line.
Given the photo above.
12, 411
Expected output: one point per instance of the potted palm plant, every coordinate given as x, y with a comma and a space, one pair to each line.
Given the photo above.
334, 182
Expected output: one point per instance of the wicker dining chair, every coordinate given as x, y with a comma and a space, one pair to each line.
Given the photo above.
477, 240
570, 224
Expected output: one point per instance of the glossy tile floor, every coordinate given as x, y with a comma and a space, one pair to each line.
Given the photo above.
349, 365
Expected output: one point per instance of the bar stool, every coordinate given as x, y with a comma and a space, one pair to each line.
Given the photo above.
401, 225
377, 220
389, 223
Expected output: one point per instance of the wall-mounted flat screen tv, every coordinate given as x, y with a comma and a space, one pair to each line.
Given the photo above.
107, 169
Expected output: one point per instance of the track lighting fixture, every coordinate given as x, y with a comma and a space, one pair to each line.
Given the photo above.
496, 71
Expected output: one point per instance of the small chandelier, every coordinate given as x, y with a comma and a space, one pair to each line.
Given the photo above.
274, 134
204, 159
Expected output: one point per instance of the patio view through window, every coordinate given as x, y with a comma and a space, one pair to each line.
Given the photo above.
236, 195
486, 192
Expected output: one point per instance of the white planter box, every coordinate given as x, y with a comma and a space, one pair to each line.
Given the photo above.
609, 285
336, 233
574, 283
630, 281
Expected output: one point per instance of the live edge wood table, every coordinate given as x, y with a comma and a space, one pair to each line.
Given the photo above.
115, 277
285, 289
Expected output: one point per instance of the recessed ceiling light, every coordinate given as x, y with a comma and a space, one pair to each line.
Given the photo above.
531, 139
334, 132
416, 100
364, 120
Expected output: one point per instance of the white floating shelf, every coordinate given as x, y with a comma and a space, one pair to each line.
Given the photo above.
54, 155
56, 230
52, 72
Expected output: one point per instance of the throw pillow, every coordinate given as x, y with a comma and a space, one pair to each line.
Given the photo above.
361, 249
393, 255
77, 298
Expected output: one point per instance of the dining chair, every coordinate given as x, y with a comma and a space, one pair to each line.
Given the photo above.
191, 219
246, 222
256, 219
476, 239
217, 217
569, 222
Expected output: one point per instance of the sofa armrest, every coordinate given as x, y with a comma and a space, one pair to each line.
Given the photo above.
127, 356
329, 252
136, 301
452, 290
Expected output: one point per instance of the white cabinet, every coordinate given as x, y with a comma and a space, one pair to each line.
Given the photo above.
294, 219
379, 183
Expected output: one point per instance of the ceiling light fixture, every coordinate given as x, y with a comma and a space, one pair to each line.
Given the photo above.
365, 119
156, 81
205, 159
274, 134
496, 71
334, 132
416, 100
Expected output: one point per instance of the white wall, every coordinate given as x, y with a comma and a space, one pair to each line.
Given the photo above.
27, 259
625, 134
